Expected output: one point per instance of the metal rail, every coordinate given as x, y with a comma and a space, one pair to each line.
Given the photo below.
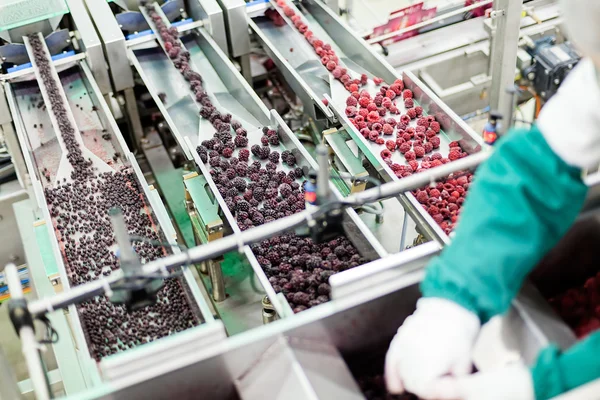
238, 242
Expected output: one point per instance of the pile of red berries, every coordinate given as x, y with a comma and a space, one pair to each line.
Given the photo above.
379, 119
580, 307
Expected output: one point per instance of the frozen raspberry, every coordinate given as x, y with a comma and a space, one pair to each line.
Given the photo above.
351, 101
409, 155
422, 121
407, 136
419, 151
243, 155
264, 141
435, 126
397, 167
404, 148
377, 127
364, 101
377, 81
386, 154
373, 135
373, 116
414, 165
409, 103
412, 114
429, 134
454, 155
382, 111
391, 145
227, 152
386, 103
390, 94
351, 111
345, 79
331, 65
422, 196
428, 147
436, 156
378, 100
353, 87
365, 132
435, 142
396, 89
337, 73
407, 94
380, 140
454, 144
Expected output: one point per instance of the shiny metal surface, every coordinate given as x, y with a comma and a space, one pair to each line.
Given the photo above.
209, 11
236, 23
114, 43
222, 80
90, 44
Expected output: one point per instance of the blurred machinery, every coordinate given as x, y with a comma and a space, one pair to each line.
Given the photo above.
135, 108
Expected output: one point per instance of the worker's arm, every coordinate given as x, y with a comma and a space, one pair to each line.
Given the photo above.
556, 372
522, 201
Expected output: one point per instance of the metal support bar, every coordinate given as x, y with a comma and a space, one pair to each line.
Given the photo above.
216, 280
29, 345
257, 234
503, 59
403, 236
134, 117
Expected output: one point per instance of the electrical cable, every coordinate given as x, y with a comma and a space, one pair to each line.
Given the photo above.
51, 333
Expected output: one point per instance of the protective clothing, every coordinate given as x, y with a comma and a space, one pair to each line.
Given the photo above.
522, 201
511, 382
437, 339
581, 22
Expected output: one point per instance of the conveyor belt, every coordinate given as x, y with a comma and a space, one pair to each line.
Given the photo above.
69, 119
284, 141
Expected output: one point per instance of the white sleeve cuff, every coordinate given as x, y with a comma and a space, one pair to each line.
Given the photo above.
570, 121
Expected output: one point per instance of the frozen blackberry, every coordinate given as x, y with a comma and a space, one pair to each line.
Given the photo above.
271, 166
258, 193
241, 132
264, 152
255, 149
285, 190
239, 184
242, 205
235, 124
203, 157
274, 157
264, 141
241, 169
230, 173
241, 141
208, 144
290, 160
214, 162
265, 129
298, 172
257, 218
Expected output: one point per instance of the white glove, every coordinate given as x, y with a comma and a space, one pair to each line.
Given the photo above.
512, 382
433, 342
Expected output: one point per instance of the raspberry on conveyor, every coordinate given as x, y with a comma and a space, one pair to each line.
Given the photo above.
373, 116
79, 212
580, 307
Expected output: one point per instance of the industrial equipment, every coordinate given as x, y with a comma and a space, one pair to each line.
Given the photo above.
211, 211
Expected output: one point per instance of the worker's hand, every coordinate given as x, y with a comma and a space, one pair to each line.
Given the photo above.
433, 342
513, 382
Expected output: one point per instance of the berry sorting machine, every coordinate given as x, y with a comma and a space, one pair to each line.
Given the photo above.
324, 97
322, 352
230, 93
75, 156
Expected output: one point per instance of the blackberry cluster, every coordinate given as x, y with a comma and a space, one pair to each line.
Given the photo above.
300, 268
79, 212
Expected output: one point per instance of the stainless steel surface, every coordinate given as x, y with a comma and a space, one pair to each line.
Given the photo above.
297, 62
134, 21
216, 280
114, 43
90, 43
503, 59
12, 248
213, 17
221, 79
8, 383
236, 23
29, 343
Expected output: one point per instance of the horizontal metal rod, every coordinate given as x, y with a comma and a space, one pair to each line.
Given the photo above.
427, 22
419, 180
257, 234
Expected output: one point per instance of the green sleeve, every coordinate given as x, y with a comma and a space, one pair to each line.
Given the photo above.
555, 372
522, 200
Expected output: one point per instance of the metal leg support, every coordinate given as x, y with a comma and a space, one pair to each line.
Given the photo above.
403, 236
134, 116
29, 344
216, 280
